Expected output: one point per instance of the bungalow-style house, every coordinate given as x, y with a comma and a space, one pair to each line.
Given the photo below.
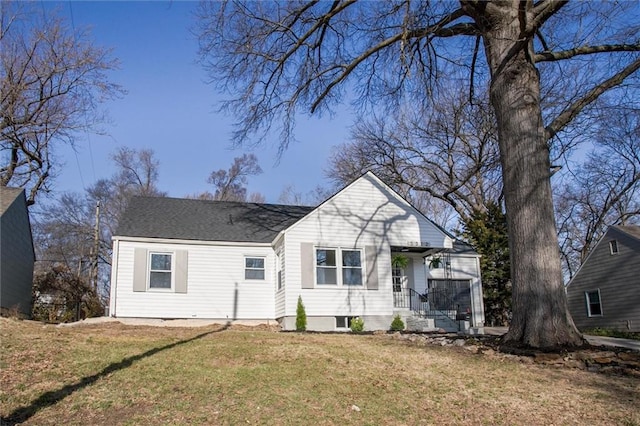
185, 258
16, 253
605, 292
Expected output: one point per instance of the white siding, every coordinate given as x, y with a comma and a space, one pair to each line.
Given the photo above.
280, 294
364, 214
216, 288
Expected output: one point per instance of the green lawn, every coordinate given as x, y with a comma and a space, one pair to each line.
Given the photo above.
114, 374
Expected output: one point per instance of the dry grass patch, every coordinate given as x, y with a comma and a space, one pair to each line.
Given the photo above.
115, 374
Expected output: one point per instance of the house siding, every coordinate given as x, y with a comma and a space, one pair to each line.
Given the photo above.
16, 257
364, 216
216, 288
280, 293
617, 277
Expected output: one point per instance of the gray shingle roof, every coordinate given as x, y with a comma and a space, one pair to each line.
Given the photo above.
188, 219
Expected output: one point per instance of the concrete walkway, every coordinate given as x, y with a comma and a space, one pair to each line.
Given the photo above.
593, 340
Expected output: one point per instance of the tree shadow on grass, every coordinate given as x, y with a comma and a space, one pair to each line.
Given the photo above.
50, 398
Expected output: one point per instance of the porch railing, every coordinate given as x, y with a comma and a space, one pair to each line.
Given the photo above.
436, 301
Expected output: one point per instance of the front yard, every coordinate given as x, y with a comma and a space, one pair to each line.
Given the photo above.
115, 374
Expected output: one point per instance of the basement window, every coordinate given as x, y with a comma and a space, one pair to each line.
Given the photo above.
343, 322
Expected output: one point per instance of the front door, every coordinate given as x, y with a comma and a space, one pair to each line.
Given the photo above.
400, 285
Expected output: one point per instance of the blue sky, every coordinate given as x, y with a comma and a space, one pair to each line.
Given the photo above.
170, 108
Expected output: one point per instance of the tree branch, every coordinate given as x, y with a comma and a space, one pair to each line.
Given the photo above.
438, 29
547, 56
542, 11
574, 109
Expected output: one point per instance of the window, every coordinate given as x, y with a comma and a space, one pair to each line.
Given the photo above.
160, 271
326, 267
613, 246
279, 270
254, 268
351, 267
329, 260
594, 307
344, 322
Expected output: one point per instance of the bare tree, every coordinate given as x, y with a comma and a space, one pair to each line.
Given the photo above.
231, 185
442, 157
601, 191
285, 56
64, 229
291, 196
52, 82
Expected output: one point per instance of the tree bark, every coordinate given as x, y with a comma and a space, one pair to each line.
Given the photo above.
540, 314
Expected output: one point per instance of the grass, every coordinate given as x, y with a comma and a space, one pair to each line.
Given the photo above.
115, 374
612, 333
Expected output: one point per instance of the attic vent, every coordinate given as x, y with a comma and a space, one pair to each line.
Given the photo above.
230, 220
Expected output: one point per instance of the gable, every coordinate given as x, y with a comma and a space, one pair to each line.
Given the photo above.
369, 209
602, 265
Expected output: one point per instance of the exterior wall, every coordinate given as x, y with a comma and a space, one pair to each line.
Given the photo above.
216, 288
364, 215
617, 276
280, 293
16, 258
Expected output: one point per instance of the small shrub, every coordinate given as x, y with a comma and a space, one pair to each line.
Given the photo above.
357, 325
301, 316
397, 324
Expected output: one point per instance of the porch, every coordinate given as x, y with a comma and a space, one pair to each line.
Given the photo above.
424, 288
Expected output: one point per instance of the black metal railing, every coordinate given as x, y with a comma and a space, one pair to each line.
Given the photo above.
436, 301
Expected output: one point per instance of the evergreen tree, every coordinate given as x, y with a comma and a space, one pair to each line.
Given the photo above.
487, 232
301, 316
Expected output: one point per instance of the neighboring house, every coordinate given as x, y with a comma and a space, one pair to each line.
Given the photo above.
184, 258
605, 292
16, 252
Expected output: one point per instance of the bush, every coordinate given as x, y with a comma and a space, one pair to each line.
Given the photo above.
301, 316
357, 325
397, 324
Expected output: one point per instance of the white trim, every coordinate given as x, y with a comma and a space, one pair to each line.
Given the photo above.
245, 268
172, 271
588, 302
113, 287
339, 267
189, 242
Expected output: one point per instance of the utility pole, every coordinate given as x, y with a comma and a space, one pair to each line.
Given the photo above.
96, 249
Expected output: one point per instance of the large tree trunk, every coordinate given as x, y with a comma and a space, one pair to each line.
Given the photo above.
540, 314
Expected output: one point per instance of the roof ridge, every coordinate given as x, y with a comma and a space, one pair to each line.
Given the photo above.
222, 201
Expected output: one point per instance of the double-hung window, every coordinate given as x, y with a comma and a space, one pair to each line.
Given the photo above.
326, 267
594, 305
254, 268
160, 270
351, 267
338, 267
